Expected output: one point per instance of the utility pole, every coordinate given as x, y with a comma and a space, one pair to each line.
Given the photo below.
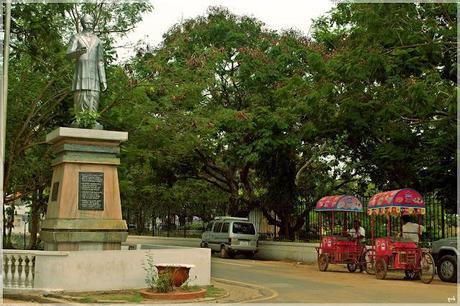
5, 43
4, 94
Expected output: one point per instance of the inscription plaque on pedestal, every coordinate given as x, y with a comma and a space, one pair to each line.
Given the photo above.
91, 191
54, 193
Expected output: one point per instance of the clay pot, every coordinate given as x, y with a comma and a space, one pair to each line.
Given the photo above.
179, 273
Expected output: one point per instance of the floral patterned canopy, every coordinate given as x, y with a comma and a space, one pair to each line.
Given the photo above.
402, 201
339, 203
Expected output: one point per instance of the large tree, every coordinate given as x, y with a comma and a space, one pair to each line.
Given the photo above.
231, 106
39, 88
391, 73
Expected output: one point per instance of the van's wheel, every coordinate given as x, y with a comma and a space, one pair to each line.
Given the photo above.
352, 267
250, 255
447, 268
381, 268
203, 244
223, 252
323, 262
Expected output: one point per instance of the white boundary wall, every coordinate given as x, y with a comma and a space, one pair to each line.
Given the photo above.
297, 251
268, 250
113, 270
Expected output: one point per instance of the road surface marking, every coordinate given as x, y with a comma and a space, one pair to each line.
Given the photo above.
229, 263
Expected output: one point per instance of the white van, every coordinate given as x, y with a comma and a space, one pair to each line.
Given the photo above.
230, 236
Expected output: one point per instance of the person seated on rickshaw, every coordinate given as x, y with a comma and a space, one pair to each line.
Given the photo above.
411, 231
357, 232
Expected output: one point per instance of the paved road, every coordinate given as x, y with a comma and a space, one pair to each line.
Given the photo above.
305, 284
294, 283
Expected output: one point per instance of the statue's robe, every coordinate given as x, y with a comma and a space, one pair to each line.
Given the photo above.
89, 70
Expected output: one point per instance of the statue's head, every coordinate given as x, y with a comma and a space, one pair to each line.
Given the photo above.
87, 22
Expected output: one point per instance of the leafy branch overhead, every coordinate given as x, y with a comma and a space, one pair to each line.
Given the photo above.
226, 115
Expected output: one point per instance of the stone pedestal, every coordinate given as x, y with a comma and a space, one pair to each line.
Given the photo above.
84, 209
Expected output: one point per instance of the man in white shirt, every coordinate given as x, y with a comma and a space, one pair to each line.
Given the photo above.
410, 230
357, 232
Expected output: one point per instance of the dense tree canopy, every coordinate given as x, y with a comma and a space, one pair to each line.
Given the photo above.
226, 115
391, 70
39, 87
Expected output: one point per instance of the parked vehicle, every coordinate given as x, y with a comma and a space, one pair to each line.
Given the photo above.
339, 248
230, 236
445, 254
396, 252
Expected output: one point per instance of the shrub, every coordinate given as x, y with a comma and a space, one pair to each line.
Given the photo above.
86, 119
160, 282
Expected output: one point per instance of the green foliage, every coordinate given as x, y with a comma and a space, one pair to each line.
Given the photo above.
39, 97
88, 299
161, 282
86, 119
391, 70
188, 288
213, 292
226, 115
150, 268
274, 120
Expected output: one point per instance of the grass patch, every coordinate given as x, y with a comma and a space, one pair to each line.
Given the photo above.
191, 288
127, 296
213, 292
132, 298
87, 299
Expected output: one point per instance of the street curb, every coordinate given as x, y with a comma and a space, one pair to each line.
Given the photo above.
46, 297
35, 298
260, 289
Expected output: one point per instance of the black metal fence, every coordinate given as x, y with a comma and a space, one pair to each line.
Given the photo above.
437, 222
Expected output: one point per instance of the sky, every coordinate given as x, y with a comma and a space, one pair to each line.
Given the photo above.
276, 14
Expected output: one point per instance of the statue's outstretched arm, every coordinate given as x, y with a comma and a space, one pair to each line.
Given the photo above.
72, 50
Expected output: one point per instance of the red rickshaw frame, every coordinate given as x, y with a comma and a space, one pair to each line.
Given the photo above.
388, 253
332, 249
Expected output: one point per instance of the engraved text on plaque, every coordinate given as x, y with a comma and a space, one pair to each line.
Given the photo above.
91, 191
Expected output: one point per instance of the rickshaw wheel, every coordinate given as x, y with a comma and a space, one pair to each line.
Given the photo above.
352, 267
427, 268
381, 268
323, 262
369, 264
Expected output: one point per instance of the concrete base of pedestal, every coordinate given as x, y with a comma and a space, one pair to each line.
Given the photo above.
84, 215
83, 234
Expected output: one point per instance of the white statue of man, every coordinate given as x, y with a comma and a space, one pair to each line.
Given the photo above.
89, 77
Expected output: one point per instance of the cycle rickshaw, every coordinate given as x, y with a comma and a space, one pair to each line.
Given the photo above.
397, 252
338, 248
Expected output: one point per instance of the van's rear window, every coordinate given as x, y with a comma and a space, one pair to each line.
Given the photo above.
243, 228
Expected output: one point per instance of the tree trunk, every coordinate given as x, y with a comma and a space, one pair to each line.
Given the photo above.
4, 224
232, 207
182, 220
37, 198
153, 223
140, 221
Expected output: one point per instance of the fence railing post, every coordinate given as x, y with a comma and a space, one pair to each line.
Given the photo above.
443, 216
